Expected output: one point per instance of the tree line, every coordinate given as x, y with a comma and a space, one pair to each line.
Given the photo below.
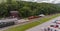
27, 9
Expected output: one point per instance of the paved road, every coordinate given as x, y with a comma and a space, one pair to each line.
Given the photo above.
38, 27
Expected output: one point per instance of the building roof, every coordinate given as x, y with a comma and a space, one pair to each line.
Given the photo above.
13, 11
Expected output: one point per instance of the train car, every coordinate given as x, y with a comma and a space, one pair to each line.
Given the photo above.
7, 22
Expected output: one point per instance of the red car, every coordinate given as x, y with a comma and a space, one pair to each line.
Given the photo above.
55, 26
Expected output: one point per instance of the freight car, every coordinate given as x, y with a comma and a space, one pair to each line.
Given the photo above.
5, 24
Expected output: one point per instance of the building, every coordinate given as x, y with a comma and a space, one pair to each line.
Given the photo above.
14, 14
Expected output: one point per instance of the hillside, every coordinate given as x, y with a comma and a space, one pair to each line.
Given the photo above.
27, 9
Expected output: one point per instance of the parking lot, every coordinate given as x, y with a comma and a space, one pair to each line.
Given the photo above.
44, 25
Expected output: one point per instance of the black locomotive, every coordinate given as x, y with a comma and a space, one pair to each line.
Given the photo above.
5, 24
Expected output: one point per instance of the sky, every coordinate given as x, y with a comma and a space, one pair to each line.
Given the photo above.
48, 1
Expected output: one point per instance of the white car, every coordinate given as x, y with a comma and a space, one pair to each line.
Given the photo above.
57, 21
41, 15
53, 29
50, 29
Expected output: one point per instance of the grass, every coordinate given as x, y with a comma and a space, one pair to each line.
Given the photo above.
30, 25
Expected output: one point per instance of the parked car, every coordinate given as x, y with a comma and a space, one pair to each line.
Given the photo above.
55, 26
57, 21
50, 29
